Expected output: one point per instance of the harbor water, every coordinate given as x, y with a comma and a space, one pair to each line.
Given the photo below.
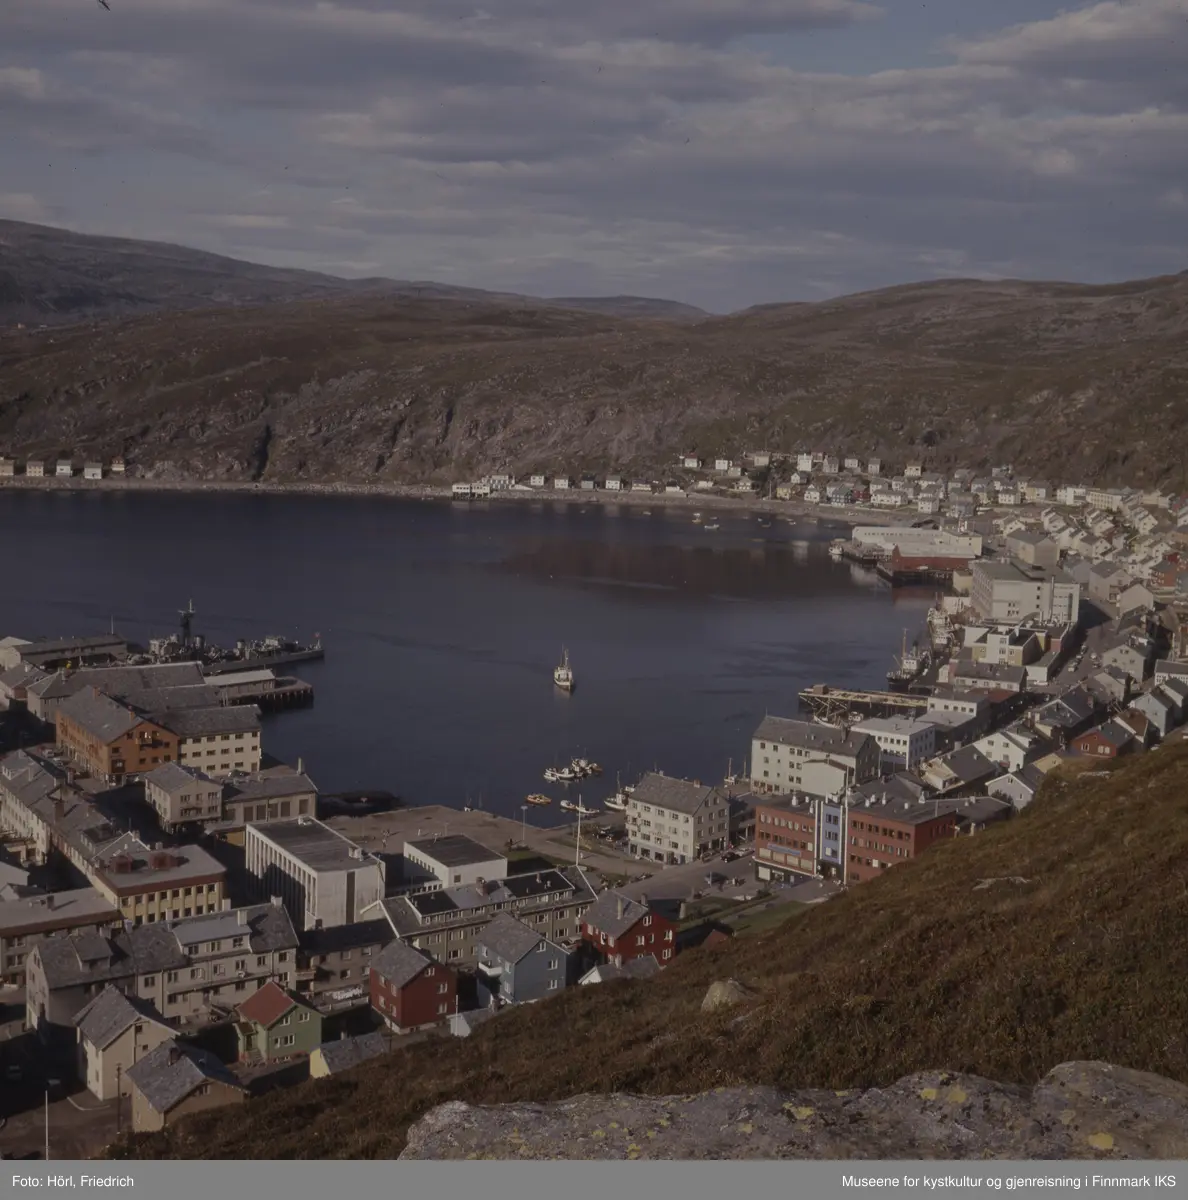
443, 622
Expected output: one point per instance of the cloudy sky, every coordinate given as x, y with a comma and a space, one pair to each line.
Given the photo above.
719, 152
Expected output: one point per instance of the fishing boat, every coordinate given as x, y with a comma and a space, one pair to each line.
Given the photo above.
563, 673
578, 807
836, 550
561, 775
616, 803
538, 798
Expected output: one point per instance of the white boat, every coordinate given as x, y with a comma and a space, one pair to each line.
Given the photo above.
697, 518
617, 802
712, 525
552, 775
579, 807
563, 673
835, 551
538, 798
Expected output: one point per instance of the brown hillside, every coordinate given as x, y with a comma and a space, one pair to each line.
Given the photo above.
921, 969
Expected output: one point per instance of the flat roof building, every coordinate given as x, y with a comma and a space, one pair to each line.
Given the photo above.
323, 878
451, 861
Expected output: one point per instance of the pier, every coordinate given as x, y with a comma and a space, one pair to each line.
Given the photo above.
267, 691
835, 704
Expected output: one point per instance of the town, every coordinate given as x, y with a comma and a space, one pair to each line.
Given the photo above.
186, 922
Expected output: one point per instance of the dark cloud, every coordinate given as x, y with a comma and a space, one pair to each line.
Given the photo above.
624, 146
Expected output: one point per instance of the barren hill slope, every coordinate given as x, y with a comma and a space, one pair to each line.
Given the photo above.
1063, 380
1058, 936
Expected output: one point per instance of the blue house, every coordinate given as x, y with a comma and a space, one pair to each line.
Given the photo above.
516, 965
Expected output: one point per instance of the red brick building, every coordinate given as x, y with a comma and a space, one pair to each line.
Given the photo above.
785, 838
882, 835
617, 929
410, 990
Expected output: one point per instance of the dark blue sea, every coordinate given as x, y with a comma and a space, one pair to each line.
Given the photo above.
442, 624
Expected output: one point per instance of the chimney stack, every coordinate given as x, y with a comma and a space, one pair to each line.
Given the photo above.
301, 766
619, 907
174, 1055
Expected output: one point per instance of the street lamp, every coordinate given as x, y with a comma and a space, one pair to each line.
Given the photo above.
524, 825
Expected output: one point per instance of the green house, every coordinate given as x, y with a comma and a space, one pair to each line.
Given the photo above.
273, 1024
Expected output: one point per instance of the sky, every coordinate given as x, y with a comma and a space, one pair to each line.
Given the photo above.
722, 153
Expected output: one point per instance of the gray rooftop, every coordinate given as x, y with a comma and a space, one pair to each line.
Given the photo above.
349, 1052
99, 715
314, 845
176, 865
38, 651
58, 910
807, 735
509, 939
110, 1014
400, 964
272, 783
678, 795
171, 1071
72, 960
175, 778
614, 914
121, 681
456, 850
203, 722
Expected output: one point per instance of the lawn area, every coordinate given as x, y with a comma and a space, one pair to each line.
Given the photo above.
769, 918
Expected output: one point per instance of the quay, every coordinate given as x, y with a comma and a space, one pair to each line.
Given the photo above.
834, 704
265, 689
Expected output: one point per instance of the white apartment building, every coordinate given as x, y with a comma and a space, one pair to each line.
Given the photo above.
817, 760
676, 820
218, 740
903, 741
918, 543
1008, 593
323, 879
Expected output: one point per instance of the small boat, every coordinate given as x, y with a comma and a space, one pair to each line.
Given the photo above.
579, 807
697, 518
616, 803
764, 524
712, 525
835, 550
563, 673
552, 775
537, 798
561, 775
594, 768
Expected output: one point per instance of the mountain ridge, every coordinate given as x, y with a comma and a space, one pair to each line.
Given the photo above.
52, 275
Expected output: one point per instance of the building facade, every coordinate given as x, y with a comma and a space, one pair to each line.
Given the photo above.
676, 820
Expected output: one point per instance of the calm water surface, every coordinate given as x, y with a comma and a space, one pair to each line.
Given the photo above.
442, 624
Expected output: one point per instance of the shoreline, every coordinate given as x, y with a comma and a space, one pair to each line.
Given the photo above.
746, 504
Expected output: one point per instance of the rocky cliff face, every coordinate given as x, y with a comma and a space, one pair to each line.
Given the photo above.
1064, 382
1080, 1110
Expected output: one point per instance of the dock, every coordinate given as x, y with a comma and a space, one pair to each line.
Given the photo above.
266, 690
834, 704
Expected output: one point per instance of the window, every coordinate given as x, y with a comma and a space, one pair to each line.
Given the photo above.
303, 1016
442, 988
553, 985
442, 1009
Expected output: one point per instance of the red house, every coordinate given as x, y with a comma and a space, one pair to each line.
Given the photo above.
410, 990
1106, 741
619, 929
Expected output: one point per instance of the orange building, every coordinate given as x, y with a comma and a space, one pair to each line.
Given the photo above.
109, 740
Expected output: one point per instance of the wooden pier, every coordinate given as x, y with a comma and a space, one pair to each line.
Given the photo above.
288, 692
836, 704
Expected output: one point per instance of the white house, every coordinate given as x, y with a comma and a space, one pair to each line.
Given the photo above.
853, 464
691, 462
614, 483
829, 465
537, 481
92, 470
913, 470
562, 483
804, 462
874, 467
812, 495
722, 464
903, 741
64, 468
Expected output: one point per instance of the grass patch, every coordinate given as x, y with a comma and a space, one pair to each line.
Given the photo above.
769, 918
927, 967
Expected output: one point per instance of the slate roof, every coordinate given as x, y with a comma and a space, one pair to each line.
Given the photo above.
174, 778
399, 964
643, 967
679, 795
1112, 732
509, 939
90, 958
336, 938
202, 722
110, 1014
603, 915
349, 1052
809, 736
267, 1005
99, 715
171, 1071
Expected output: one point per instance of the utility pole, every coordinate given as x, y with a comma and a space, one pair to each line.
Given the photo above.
47, 1122
119, 1098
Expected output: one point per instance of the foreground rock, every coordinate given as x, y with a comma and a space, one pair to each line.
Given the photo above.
1079, 1110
